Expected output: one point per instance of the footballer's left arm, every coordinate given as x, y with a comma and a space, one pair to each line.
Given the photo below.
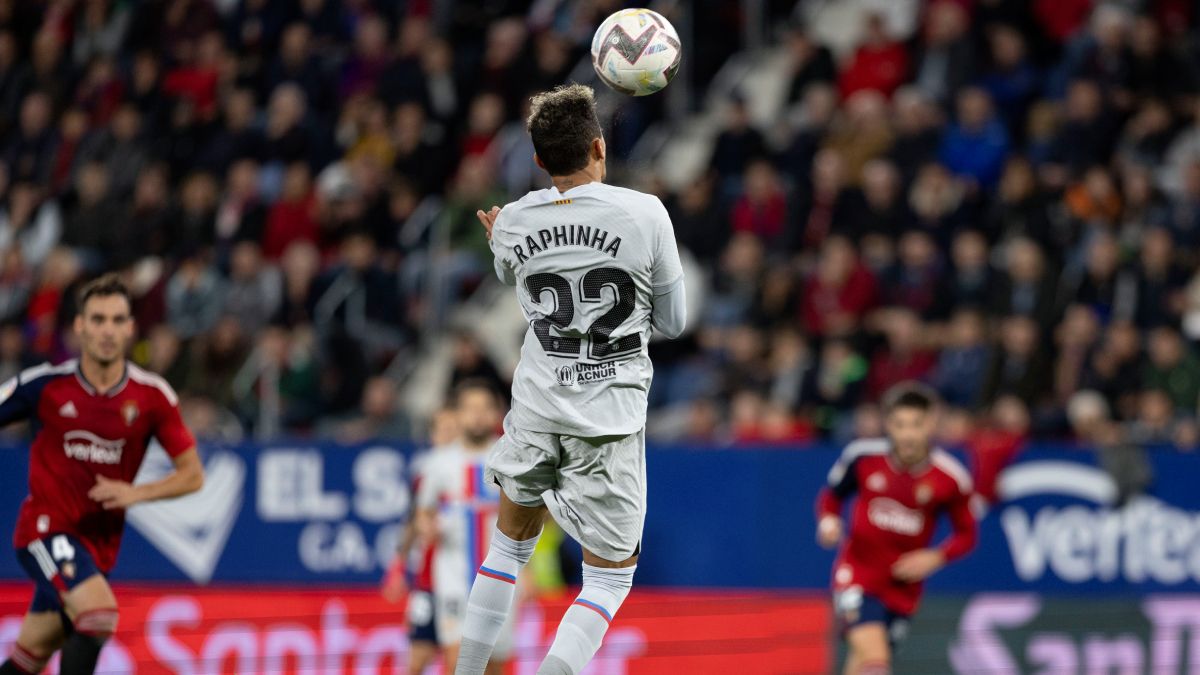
964, 528
669, 311
920, 564
188, 477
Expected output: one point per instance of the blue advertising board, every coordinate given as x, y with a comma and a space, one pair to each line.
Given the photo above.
314, 513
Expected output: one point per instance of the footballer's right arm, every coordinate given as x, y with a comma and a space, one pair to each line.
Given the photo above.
840, 484
15, 405
425, 513
503, 272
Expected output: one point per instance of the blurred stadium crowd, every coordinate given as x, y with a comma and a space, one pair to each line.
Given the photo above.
999, 197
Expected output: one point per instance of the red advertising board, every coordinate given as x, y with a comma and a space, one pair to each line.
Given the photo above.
191, 631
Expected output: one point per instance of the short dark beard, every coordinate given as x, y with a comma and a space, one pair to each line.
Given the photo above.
476, 440
105, 363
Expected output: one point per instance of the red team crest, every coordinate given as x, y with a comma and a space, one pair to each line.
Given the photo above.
924, 493
129, 411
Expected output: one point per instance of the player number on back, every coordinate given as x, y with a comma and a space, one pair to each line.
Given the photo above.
61, 548
600, 344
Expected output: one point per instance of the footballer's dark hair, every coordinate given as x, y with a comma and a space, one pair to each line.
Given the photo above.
474, 384
912, 395
562, 123
102, 287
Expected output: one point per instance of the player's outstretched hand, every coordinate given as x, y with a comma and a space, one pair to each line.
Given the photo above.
829, 531
113, 494
394, 587
488, 219
917, 565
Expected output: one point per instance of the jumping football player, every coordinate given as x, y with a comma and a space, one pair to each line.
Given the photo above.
94, 417
456, 510
595, 267
903, 485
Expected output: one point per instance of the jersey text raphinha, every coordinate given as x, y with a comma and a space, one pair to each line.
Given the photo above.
567, 235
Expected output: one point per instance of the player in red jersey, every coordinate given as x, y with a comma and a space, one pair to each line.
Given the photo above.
93, 418
409, 578
903, 485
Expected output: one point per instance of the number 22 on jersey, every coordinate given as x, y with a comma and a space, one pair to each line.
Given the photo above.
601, 347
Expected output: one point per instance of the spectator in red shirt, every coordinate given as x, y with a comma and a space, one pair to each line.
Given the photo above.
1060, 19
905, 355
291, 218
995, 445
197, 79
839, 292
484, 119
101, 91
60, 268
762, 208
72, 130
880, 63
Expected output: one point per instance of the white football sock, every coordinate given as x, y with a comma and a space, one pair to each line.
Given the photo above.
583, 626
491, 600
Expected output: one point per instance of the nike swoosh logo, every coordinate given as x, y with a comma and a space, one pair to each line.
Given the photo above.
192, 531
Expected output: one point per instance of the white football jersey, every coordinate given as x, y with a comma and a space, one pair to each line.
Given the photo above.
467, 504
586, 263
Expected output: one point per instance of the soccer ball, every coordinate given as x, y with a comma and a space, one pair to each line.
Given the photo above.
636, 52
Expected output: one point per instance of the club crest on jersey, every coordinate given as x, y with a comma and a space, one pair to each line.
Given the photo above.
923, 493
877, 482
129, 411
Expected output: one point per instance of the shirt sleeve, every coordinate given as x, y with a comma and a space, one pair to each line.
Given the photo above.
428, 487
171, 432
503, 266
17, 401
964, 526
841, 482
669, 313
667, 268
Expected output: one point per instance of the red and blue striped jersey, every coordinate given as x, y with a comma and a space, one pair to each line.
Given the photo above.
454, 482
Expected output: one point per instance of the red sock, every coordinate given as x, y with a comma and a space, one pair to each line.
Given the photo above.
875, 668
25, 662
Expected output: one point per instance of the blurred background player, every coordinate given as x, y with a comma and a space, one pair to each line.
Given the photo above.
903, 484
574, 442
95, 418
409, 578
456, 511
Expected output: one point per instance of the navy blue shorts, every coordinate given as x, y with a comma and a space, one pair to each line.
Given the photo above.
854, 608
422, 620
56, 563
